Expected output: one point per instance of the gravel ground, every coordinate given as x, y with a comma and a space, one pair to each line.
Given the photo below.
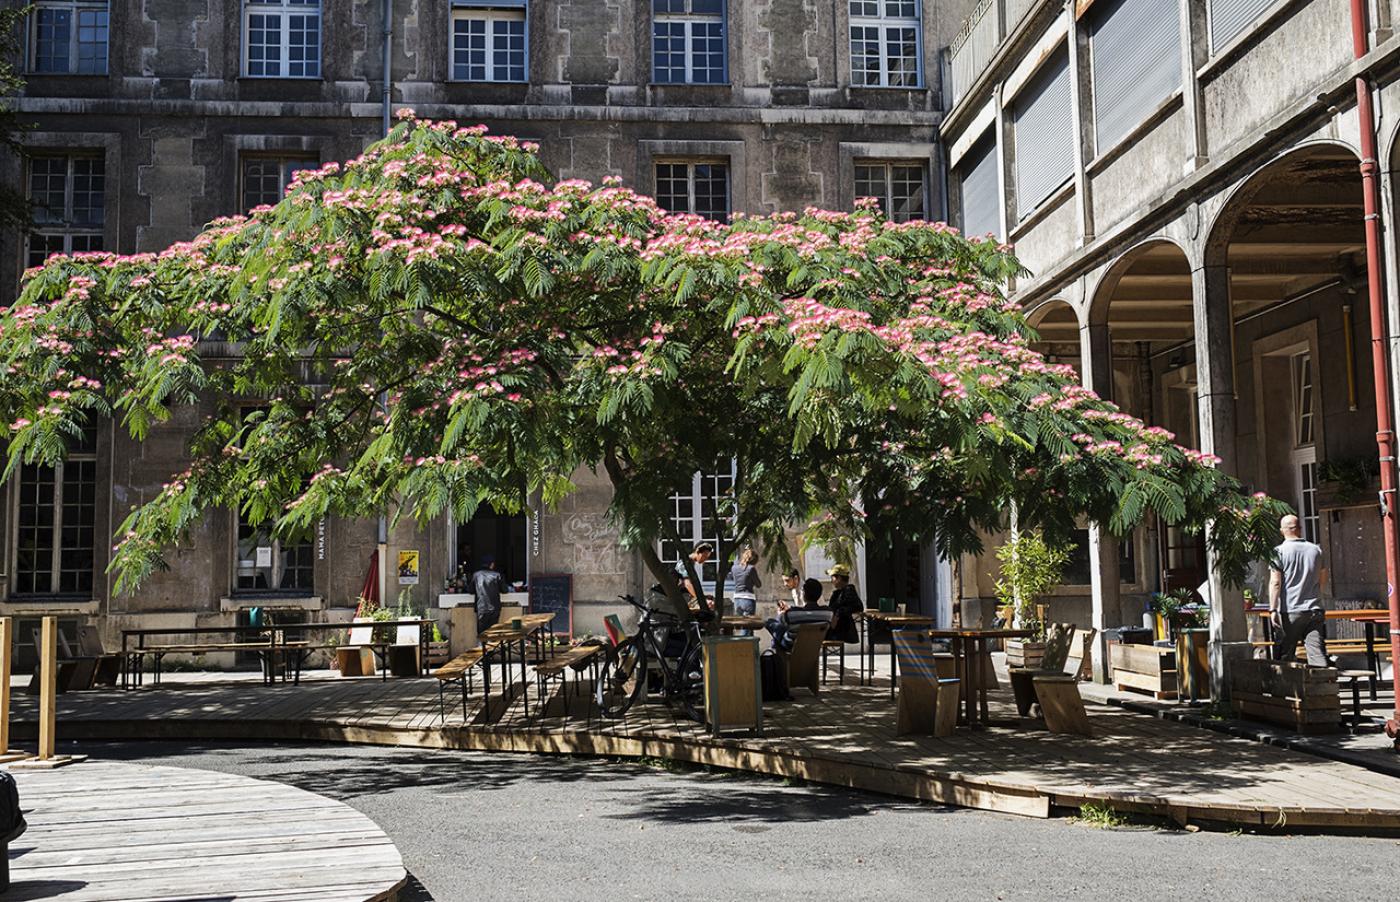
474, 826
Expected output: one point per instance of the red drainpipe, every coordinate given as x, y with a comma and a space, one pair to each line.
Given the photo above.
1385, 433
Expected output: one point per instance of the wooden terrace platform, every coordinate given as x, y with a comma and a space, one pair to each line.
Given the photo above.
103, 831
845, 736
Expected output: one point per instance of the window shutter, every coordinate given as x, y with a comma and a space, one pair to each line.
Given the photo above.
1044, 129
1135, 52
981, 191
1230, 17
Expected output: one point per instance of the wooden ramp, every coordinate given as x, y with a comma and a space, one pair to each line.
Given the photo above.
108, 831
846, 736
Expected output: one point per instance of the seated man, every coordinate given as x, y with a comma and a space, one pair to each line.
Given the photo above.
810, 612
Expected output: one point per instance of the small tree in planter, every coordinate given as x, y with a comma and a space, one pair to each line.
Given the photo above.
1030, 567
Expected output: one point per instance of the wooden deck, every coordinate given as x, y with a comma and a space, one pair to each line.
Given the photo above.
845, 736
107, 831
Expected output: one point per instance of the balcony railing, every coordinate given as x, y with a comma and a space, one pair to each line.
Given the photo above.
975, 44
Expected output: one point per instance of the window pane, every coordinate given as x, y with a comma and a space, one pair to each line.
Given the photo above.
35, 530
48, 188
901, 9
865, 56
508, 49
92, 42
76, 551
304, 46
254, 569
870, 182
668, 52
52, 36
707, 52
469, 49
298, 566
906, 193
673, 187
865, 9
262, 183
264, 44
41, 248
712, 191
89, 191
902, 50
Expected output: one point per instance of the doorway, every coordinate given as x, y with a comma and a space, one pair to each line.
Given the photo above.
499, 537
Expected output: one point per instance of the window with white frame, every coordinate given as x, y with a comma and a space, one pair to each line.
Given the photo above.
702, 512
269, 564
900, 187
282, 38
688, 42
68, 37
265, 178
1304, 454
56, 524
489, 42
699, 187
68, 194
885, 44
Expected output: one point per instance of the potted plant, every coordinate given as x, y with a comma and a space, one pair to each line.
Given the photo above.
438, 647
1030, 568
1166, 608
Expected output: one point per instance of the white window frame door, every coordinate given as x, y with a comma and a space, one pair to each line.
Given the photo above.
1303, 457
494, 18
873, 15
695, 497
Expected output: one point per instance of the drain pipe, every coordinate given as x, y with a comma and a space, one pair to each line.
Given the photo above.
388, 98
1385, 430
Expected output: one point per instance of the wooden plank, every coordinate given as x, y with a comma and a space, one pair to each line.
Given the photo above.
48, 686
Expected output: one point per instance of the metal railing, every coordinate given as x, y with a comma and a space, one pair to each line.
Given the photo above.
975, 45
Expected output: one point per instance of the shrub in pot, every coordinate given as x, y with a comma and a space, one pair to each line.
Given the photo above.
1030, 568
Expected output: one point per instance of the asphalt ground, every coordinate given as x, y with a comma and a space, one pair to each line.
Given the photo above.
476, 826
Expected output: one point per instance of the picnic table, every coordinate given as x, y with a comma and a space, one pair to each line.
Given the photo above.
893, 620
969, 647
259, 640
505, 636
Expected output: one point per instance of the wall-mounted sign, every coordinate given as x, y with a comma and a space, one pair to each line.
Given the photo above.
263, 556
408, 568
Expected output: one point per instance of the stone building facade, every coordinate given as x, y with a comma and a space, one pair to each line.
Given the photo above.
153, 117
1183, 180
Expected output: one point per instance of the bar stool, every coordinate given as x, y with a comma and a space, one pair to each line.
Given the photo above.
1356, 718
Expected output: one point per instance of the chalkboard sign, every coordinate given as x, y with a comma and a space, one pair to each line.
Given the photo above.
554, 595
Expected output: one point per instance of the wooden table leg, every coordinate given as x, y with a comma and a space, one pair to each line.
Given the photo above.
893, 665
979, 646
973, 683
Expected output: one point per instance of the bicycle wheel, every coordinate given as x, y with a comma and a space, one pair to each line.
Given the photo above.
691, 675
623, 678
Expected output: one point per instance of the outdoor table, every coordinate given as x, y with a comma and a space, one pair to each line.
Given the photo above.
894, 621
257, 639
1369, 620
506, 635
969, 646
741, 622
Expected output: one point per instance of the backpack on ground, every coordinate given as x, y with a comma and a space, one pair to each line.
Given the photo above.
772, 671
12, 823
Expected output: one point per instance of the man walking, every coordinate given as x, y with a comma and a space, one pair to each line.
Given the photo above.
1296, 581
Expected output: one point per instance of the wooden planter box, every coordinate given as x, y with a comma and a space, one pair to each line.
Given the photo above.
439, 653
1020, 653
1301, 698
1144, 668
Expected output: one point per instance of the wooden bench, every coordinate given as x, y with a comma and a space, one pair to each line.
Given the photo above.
558, 667
928, 701
804, 658
457, 671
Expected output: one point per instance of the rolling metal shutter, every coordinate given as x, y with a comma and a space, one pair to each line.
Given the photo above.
1230, 17
981, 189
1135, 55
1044, 129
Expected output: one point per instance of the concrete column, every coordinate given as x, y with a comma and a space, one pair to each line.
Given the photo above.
1080, 100
1096, 348
1215, 379
1195, 51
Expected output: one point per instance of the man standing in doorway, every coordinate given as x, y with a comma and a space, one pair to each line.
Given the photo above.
486, 585
1296, 581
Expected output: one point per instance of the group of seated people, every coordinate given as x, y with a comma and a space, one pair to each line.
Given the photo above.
803, 604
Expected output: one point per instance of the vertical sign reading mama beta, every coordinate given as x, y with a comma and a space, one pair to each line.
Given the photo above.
554, 595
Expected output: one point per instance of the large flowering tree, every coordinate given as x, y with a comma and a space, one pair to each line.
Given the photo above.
433, 325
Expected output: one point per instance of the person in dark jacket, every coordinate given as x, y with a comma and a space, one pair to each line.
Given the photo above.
811, 611
486, 586
845, 603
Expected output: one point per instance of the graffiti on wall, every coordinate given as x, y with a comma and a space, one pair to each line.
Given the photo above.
595, 544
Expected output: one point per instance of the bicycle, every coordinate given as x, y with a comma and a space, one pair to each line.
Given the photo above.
627, 666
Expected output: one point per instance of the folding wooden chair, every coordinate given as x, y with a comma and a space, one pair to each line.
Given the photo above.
928, 703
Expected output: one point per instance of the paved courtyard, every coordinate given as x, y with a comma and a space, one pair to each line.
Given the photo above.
472, 825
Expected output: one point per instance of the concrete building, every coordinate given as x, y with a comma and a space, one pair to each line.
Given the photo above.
154, 117
1183, 180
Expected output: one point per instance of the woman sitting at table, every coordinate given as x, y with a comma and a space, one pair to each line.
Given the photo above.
845, 604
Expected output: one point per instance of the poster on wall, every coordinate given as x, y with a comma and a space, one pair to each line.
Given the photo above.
408, 568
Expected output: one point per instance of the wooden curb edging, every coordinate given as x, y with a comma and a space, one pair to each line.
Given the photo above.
955, 789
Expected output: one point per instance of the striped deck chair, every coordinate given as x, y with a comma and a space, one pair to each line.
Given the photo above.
928, 704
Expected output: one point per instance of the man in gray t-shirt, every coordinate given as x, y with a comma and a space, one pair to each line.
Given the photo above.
1296, 581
